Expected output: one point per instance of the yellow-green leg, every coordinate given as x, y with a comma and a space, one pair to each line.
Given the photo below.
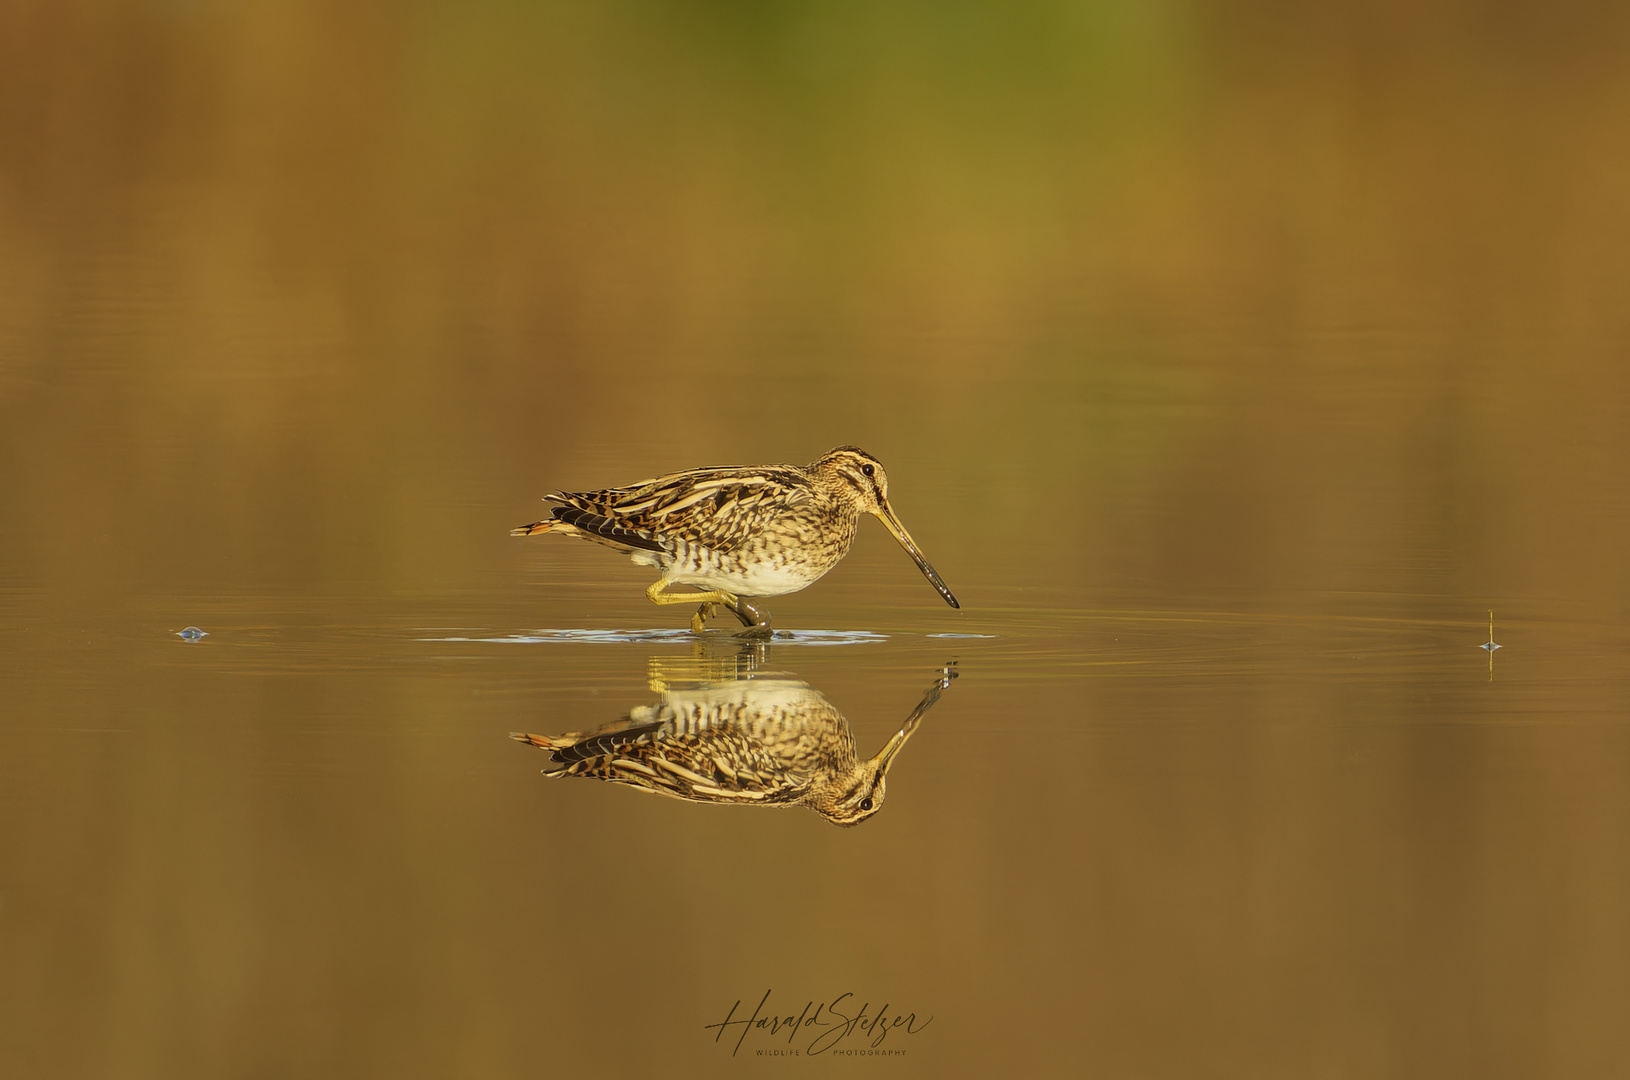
698, 622
750, 616
659, 595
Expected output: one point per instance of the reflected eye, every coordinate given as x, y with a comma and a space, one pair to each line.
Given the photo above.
866, 804
867, 469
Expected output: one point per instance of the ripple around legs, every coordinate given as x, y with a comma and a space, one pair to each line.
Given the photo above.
782, 637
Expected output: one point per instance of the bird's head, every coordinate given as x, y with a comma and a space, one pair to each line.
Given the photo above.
856, 796
857, 479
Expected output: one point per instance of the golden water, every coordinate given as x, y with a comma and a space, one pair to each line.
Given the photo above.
1231, 363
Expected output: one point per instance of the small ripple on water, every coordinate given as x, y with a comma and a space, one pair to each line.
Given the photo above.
782, 637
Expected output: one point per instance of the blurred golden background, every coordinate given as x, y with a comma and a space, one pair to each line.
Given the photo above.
1229, 360
362, 257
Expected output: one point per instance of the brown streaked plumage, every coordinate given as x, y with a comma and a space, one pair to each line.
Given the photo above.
738, 531
751, 741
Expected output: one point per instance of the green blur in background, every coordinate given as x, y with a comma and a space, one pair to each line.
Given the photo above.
1230, 361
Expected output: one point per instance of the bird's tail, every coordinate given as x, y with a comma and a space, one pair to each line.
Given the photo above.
534, 528
543, 741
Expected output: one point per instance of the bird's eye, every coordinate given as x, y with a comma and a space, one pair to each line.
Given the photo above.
866, 804
867, 469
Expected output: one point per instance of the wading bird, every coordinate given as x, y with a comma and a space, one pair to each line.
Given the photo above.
734, 532
755, 740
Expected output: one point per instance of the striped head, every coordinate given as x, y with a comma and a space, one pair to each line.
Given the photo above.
854, 796
856, 479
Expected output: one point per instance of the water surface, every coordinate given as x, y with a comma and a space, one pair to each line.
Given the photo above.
1231, 368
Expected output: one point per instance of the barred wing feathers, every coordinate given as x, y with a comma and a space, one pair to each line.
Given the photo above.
710, 765
714, 508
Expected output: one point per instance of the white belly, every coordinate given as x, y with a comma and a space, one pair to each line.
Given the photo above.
762, 579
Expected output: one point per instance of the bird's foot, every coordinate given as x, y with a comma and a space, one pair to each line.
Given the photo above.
698, 622
755, 624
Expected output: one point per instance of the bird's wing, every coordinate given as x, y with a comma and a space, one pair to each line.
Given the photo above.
714, 765
715, 508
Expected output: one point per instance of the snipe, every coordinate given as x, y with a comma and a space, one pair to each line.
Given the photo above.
755, 740
736, 532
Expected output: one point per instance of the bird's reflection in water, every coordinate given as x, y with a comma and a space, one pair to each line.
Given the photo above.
729, 731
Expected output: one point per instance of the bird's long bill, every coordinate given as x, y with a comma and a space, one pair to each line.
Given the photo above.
885, 756
892, 523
